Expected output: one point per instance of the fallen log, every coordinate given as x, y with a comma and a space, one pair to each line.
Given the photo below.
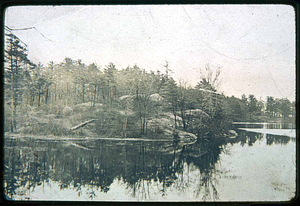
81, 125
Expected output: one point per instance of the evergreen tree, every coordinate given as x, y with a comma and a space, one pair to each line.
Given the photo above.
285, 107
252, 105
170, 93
270, 106
109, 73
16, 62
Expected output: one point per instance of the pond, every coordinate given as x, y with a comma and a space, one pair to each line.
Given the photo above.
251, 167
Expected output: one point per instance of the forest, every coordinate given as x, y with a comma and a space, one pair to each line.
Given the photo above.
72, 98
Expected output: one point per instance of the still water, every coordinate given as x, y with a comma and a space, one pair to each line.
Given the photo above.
252, 167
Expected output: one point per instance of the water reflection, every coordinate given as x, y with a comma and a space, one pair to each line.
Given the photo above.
275, 139
206, 161
249, 138
141, 166
29, 164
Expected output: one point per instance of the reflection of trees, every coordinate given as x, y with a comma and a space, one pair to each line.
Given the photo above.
173, 168
10, 171
253, 137
245, 137
148, 167
205, 155
276, 139
138, 165
23, 167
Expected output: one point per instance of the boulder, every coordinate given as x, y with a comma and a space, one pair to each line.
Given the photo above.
126, 98
156, 98
196, 112
67, 111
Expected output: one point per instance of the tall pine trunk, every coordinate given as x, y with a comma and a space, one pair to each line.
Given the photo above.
183, 120
83, 90
13, 96
55, 92
47, 96
13, 104
95, 89
39, 97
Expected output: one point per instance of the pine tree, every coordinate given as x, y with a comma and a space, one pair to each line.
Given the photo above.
252, 105
110, 78
16, 62
170, 93
270, 106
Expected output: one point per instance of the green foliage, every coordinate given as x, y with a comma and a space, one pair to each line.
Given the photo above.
284, 107
236, 109
252, 105
170, 93
123, 101
102, 95
16, 62
251, 109
271, 109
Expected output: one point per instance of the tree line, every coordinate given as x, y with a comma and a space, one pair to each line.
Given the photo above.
141, 95
251, 109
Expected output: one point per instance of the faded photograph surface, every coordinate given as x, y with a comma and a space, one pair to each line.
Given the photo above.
149, 103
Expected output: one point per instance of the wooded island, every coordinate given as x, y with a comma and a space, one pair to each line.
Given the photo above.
74, 99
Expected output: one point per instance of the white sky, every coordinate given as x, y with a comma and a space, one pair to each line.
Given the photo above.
253, 44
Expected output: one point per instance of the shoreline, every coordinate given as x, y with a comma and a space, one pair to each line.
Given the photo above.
65, 138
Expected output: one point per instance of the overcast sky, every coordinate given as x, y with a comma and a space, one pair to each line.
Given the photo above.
253, 44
